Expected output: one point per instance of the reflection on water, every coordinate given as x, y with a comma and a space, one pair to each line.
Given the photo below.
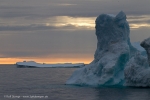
123, 93
51, 82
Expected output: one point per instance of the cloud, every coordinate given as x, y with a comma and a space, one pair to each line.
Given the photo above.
141, 18
66, 23
33, 27
47, 43
84, 8
51, 23
66, 4
135, 26
41, 28
25, 28
139, 21
36, 14
139, 34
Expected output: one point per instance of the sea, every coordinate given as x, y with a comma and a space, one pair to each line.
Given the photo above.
49, 84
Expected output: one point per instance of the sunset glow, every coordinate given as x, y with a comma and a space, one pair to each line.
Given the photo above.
63, 23
89, 22
134, 26
51, 59
47, 60
60, 31
76, 22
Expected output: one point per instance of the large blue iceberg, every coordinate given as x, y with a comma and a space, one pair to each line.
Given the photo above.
113, 54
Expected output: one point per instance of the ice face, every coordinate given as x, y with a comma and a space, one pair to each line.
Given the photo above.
111, 55
138, 46
137, 72
111, 30
146, 45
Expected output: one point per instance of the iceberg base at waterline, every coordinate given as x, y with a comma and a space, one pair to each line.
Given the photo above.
32, 64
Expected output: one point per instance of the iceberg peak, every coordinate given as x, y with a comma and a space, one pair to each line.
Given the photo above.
109, 32
121, 16
146, 45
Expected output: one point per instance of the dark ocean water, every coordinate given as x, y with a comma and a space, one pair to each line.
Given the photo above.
49, 84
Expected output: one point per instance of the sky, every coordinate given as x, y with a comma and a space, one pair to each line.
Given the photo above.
62, 31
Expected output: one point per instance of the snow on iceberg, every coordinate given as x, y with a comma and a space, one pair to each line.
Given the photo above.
113, 52
32, 64
116, 61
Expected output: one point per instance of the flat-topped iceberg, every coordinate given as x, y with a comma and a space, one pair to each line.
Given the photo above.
114, 56
32, 64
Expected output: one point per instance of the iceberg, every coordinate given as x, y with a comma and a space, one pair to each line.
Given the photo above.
137, 71
111, 55
116, 61
33, 64
139, 48
146, 45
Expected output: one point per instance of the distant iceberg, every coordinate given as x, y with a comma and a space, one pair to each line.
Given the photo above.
116, 61
139, 48
32, 64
